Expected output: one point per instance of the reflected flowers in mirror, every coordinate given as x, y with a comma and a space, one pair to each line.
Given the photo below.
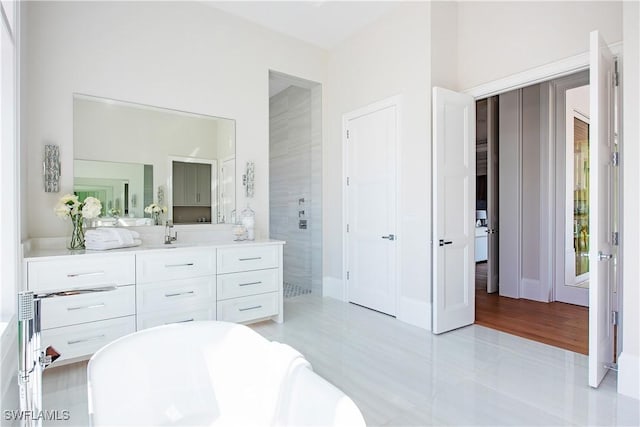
155, 210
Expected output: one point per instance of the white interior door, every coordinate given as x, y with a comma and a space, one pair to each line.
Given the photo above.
371, 203
453, 208
600, 259
492, 194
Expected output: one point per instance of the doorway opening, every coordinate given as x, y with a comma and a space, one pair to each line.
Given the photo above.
295, 179
529, 270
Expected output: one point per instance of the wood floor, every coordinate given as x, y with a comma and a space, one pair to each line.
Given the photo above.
558, 324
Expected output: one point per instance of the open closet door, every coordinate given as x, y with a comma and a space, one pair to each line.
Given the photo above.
453, 226
601, 142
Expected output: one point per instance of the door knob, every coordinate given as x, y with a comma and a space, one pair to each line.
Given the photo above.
443, 242
389, 237
604, 257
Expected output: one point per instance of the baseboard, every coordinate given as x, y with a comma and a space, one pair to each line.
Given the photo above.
530, 289
629, 375
333, 287
414, 312
9, 397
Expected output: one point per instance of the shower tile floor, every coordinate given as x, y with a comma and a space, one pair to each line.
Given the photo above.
291, 290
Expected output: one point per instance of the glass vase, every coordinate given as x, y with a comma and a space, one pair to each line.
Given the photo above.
156, 218
77, 235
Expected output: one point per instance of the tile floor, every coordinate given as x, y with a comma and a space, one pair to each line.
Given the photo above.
401, 375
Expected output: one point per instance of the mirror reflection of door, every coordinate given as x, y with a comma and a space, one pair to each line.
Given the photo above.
581, 197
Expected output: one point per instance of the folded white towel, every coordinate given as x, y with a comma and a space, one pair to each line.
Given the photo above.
106, 245
103, 238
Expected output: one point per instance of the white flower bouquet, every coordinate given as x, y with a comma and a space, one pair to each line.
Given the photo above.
70, 207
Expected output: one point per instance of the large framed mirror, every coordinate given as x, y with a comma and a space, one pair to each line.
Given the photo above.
130, 155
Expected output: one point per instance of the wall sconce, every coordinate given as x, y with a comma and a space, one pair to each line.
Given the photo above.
51, 168
248, 180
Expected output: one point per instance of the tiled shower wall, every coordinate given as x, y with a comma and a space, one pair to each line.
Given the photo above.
295, 184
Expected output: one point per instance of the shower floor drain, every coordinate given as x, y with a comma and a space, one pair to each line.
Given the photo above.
291, 290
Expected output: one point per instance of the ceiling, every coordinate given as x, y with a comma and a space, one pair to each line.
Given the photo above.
321, 23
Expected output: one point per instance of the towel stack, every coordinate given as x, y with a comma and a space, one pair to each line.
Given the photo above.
100, 239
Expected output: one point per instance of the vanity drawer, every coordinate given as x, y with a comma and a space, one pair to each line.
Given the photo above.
246, 309
75, 309
191, 314
171, 264
85, 339
82, 272
174, 294
231, 260
234, 285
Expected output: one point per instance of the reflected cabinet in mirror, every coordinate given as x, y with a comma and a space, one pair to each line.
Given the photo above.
131, 155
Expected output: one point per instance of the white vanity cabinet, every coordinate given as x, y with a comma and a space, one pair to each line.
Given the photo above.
78, 325
175, 285
249, 284
235, 282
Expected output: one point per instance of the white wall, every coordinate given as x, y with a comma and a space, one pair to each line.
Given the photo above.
181, 55
10, 271
629, 361
444, 44
389, 57
498, 39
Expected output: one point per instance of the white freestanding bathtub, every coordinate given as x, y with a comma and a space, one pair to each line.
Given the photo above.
209, 373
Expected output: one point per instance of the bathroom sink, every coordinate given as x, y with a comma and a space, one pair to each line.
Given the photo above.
169, 246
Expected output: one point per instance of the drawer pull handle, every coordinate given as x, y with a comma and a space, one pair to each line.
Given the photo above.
178, 294
255, 307
82, 307
188, 264
97, 337
249, 284
93, 273
73, 292
250, 259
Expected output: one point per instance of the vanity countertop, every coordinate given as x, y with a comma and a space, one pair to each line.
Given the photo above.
39, 253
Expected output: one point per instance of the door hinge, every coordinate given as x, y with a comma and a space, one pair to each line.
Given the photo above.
347, 275
347, 133
615, 238
347, 228
616, 74
347, 180
614, 318
615, 158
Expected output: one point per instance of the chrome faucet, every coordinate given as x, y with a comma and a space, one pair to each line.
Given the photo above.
168, 238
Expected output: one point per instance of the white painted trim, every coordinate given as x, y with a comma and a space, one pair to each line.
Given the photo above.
536, 75
333, 287
628, 383
531, 289
393, 101
415, 312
